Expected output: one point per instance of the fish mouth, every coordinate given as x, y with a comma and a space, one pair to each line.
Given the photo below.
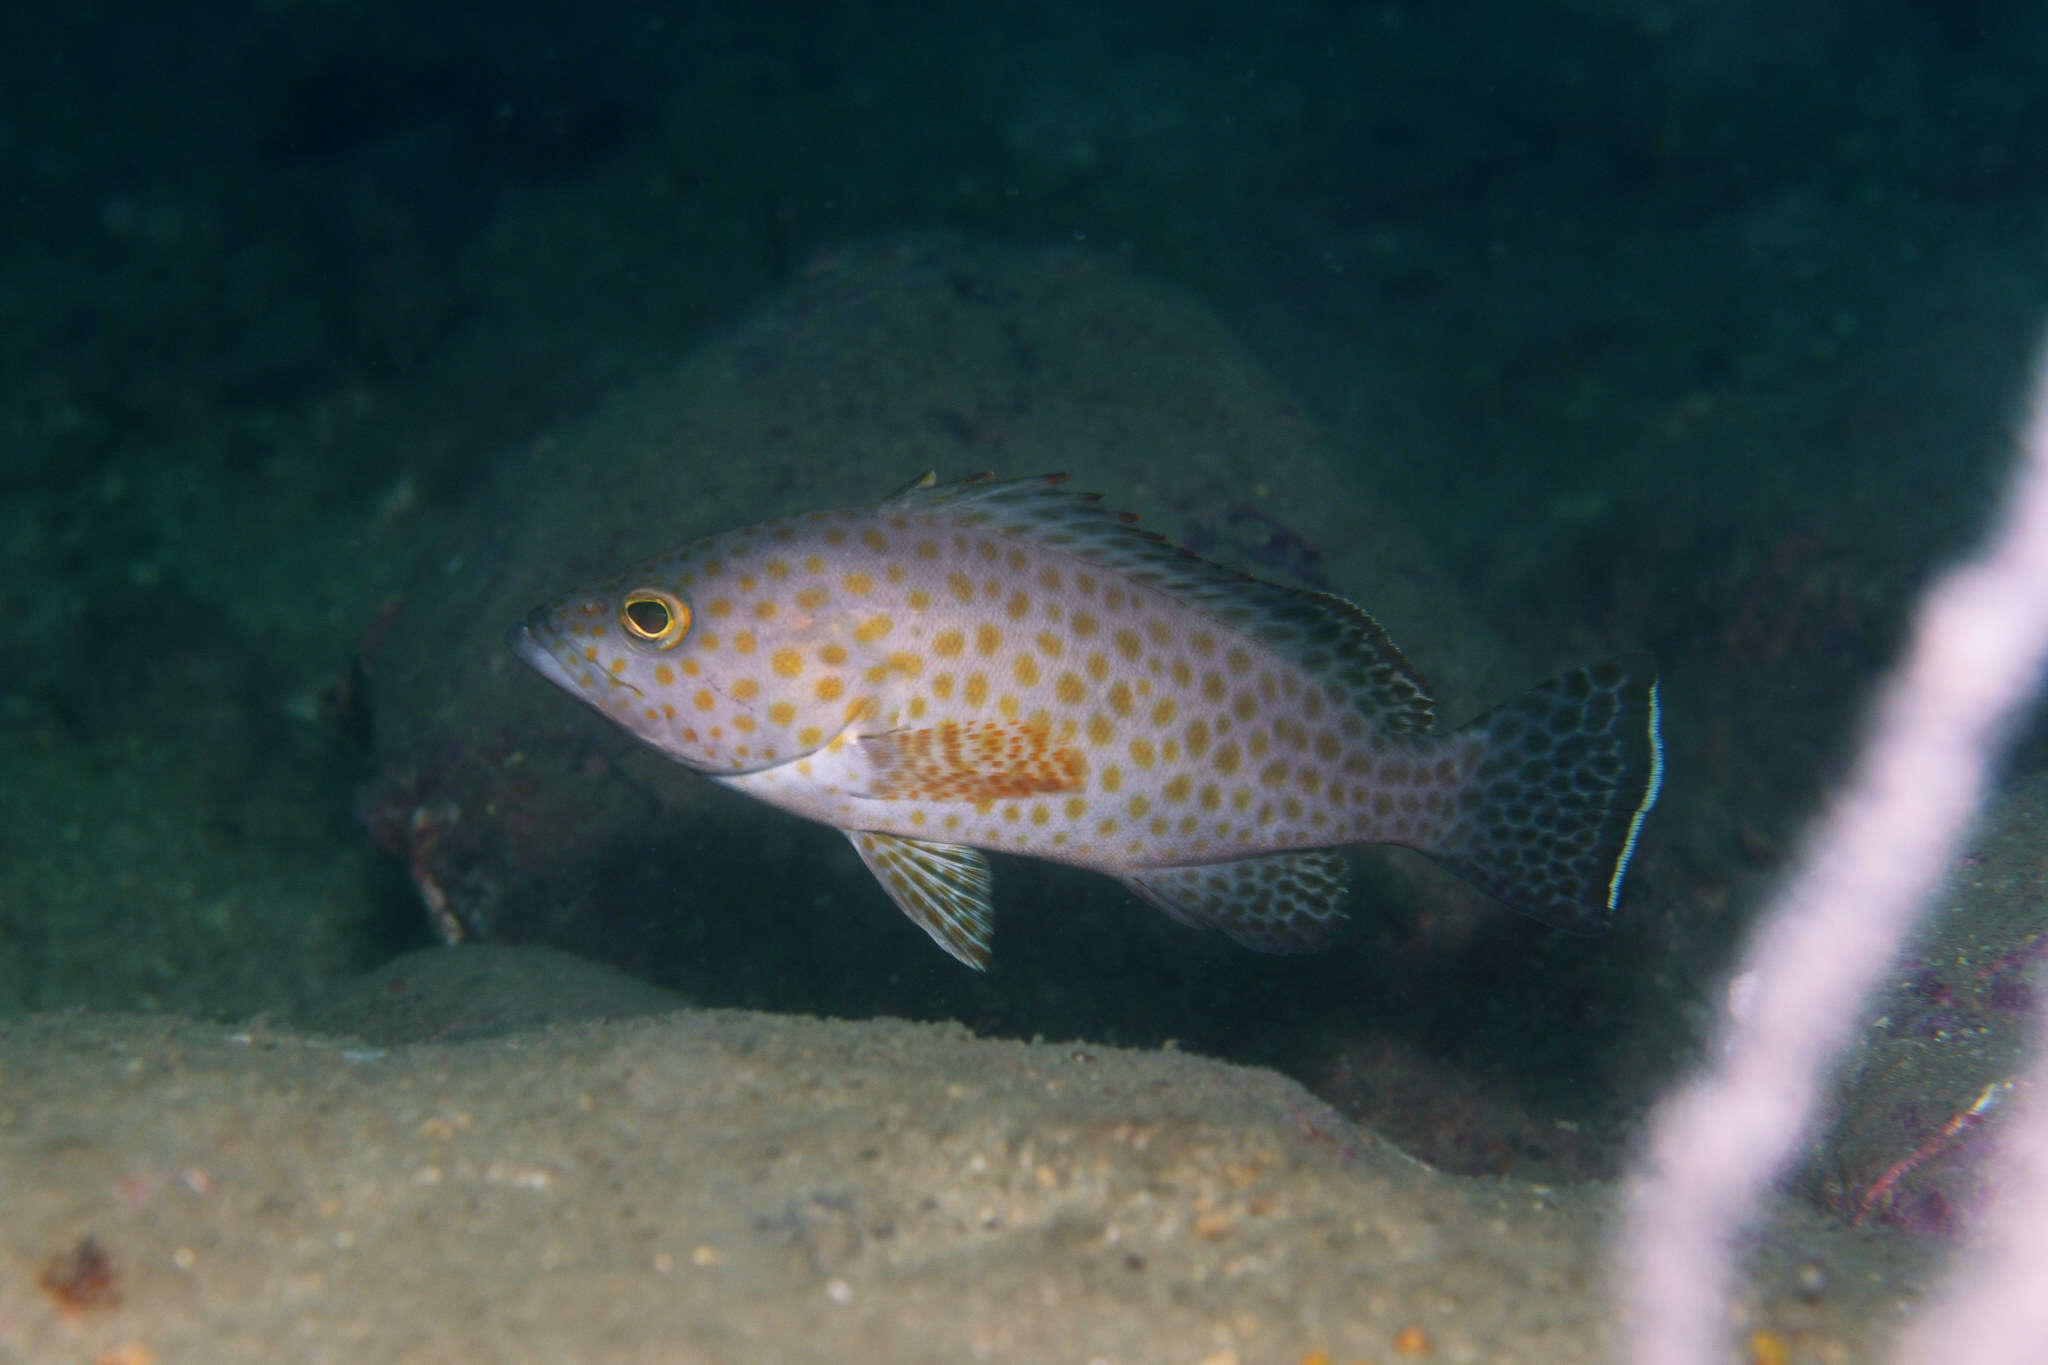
540, 656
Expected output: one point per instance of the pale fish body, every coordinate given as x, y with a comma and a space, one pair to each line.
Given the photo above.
1009, 666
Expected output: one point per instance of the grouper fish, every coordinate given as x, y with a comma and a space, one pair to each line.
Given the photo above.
1009, 665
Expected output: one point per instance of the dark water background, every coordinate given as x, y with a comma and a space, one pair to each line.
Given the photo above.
1709, 318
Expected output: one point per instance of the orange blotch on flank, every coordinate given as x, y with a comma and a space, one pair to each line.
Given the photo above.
977, 761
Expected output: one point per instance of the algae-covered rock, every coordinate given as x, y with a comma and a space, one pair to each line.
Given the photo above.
1921, 1094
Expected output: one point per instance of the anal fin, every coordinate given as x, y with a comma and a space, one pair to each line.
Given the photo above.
944, 888
1276, 902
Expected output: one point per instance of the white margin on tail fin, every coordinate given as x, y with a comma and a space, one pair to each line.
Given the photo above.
1656, 783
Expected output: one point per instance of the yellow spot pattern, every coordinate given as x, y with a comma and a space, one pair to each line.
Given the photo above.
960, 672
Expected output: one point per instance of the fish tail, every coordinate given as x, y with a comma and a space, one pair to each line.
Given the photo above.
1565, 776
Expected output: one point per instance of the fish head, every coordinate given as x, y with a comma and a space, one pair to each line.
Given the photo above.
695, 654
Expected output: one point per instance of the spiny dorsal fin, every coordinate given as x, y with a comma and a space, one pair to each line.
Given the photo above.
1333, 639
944, 888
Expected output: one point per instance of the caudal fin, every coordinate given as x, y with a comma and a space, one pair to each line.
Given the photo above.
1567, 773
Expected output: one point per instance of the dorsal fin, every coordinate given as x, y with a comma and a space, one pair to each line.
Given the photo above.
1331, 638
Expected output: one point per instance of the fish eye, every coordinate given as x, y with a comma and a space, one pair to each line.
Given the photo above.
655, 617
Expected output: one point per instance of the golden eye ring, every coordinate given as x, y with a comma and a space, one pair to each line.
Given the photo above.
654, 617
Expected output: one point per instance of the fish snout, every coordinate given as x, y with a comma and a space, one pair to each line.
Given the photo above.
536, 643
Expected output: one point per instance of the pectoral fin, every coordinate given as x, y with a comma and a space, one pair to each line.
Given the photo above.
1276, 903
942, 887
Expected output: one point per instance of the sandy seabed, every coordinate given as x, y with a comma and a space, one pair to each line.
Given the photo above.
717, 1185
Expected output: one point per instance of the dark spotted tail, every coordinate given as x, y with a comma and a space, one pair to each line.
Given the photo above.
1569, 770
